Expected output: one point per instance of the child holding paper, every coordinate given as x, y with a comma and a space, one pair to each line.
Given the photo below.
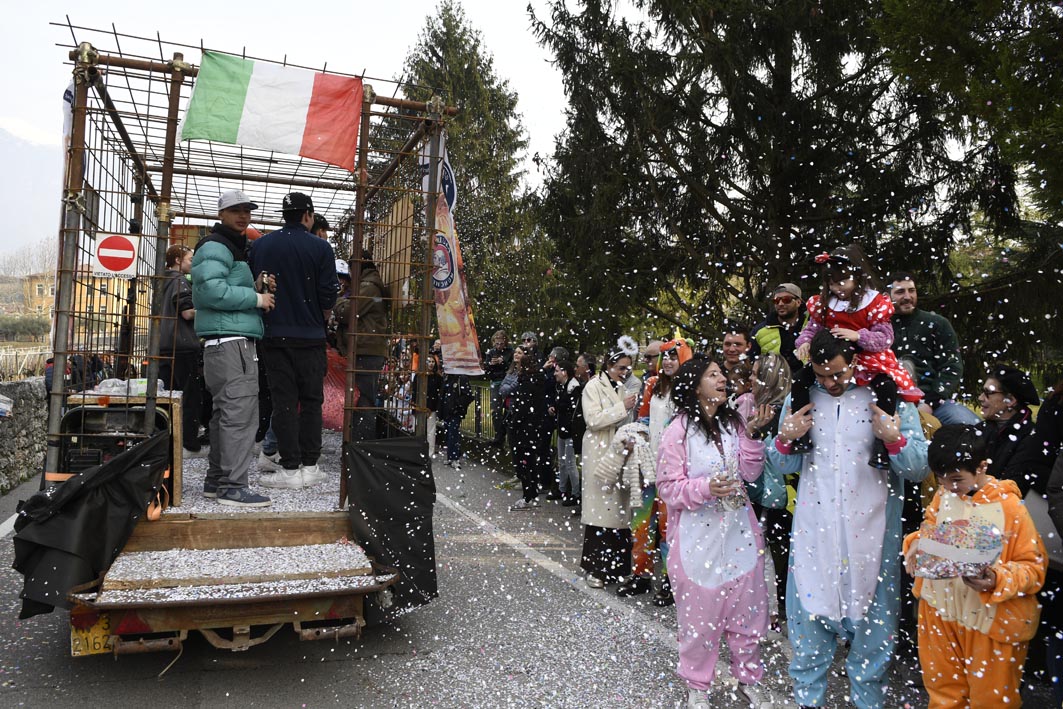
974, 630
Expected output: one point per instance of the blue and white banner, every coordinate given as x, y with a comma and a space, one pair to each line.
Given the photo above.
446, 183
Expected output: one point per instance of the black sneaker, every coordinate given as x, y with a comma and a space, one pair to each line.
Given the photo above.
242, 497
554, 494
634, 586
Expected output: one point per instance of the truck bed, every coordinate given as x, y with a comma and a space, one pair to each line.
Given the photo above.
223, 571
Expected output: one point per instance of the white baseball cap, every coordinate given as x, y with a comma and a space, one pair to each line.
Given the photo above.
234, 198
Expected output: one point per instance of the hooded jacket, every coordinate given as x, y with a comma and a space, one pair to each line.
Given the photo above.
1009, 613
223, 290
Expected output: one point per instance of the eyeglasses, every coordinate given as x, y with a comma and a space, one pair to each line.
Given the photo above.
989, 392
785, 299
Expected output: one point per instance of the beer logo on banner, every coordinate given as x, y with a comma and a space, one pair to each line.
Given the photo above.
442, 263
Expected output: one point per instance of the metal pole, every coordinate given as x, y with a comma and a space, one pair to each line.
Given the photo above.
357, 254
428, 294
165, 215
73, 206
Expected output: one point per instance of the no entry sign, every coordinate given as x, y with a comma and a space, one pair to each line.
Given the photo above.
115, 256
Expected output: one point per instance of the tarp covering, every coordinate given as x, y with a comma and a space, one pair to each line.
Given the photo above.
391, 493
71, 535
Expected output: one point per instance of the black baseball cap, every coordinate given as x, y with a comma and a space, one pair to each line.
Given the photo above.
297, 202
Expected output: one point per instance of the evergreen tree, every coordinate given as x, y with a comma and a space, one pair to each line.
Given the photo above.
714, 146
486, 142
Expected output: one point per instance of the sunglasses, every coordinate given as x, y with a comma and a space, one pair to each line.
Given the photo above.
528, 339
786, 299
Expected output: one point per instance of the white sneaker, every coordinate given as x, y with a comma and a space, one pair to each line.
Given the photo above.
269, 462
698, 699
754, 696
312, 474
290, 479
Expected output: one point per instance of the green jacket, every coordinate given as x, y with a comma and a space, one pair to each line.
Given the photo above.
372, 316
223, 292
928, 340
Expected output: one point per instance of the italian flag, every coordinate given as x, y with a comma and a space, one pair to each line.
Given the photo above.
264, 105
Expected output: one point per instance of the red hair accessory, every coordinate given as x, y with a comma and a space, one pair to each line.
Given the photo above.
823, 258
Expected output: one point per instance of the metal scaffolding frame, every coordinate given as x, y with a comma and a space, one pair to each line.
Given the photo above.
127, 173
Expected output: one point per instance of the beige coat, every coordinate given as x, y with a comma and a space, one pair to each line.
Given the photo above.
604, 412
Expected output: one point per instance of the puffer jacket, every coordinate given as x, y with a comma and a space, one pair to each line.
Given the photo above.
223, 290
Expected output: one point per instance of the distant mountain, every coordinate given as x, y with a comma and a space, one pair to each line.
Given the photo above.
31, 185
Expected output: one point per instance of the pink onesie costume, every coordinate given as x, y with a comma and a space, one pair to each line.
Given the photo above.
872, 320
716, 562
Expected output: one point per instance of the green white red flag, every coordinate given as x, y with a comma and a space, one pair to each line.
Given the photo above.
264, 105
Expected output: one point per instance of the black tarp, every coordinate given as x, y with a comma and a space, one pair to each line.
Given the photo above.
70, 535
391, 493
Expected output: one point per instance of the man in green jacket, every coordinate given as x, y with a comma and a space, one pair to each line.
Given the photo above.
228, 318
929, 342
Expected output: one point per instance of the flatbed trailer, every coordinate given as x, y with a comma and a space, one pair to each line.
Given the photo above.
236, 577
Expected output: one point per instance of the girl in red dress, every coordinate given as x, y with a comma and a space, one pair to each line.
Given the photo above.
853, 309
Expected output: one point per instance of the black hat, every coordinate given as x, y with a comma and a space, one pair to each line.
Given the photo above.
1016, 383
320, 223
297, 202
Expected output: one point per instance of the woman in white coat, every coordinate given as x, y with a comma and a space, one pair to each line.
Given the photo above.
606, 535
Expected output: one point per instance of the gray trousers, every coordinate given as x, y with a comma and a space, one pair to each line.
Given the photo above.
231, 374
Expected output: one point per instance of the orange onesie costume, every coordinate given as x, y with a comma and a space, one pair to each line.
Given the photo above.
972, 645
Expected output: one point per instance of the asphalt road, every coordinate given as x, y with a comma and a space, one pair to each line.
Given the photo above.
514, 626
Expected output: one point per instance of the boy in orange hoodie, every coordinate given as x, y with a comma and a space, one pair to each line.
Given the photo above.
974, 631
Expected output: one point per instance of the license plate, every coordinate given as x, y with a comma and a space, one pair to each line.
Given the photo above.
93, 639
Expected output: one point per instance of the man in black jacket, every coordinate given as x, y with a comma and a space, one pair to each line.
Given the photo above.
304, 266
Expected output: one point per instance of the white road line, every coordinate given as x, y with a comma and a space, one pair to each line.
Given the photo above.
656, 630
659, 632
8, 526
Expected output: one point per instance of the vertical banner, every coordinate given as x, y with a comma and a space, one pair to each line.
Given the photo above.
445, 179
457, 331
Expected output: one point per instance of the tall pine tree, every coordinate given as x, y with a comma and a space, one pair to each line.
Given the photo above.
717, 145
486, 142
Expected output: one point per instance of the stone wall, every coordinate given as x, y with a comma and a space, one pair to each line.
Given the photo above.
23, 434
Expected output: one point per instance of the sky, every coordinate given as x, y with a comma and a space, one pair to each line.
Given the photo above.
350, 35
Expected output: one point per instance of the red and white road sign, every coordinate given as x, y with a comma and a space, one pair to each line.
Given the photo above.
115, 256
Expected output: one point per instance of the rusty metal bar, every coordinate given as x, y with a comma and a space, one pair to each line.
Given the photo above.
165, 67
392, 166
119, 126
412, 105
165, 215
214, 217
142, 645
356, 280
338, 186
335, 632
429, 294
73, 204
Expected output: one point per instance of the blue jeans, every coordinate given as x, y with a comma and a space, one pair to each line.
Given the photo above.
453, 425
567, 474
951, 412
269, 443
